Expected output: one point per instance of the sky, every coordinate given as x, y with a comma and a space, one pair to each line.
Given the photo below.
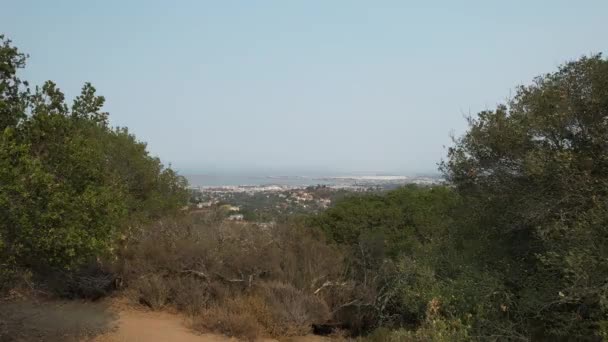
298, 86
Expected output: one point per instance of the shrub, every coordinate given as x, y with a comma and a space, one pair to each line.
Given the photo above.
152, 291
201, 269
91, 281
437, 330
189, 295
219, 261
293, 311
274, 309
228, 321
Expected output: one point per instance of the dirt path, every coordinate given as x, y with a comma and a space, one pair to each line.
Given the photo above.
144, 326
105, 321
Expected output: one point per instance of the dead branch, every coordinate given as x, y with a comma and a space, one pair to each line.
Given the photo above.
198, 274
233, 280
355, 302
328, 284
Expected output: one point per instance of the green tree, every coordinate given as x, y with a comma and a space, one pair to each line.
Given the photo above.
13, 96
70, 185
403, 249
536, 172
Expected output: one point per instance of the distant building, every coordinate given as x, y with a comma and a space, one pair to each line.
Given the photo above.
324, 202
302, 196
235, 217
202, 205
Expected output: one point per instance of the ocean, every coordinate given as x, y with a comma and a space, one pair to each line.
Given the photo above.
233, 180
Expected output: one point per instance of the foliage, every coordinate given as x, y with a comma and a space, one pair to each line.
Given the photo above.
515, 246
535, 171
393, 219
400, 244
13, 98
70, 185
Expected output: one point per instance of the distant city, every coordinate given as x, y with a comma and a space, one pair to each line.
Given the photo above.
264, 198
248, 183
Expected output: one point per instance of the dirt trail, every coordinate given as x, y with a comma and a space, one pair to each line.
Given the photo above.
143, 326
107, 321
146, 326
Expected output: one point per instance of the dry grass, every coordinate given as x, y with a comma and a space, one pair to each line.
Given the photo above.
277, 309
227, 321
152, 291
293, 311
190, 295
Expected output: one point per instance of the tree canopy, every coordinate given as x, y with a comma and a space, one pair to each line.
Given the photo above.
536, 171
515, 246
70, 184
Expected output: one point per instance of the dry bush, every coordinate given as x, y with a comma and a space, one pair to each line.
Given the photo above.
152, 291
267, 276
256, 306
189, 295
226, 320
280, 310
218, 291
236, 254
306, 260
293, 311
153, 264
274, 309
165, 246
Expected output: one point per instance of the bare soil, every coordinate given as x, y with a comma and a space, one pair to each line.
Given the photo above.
104, 321
43, 320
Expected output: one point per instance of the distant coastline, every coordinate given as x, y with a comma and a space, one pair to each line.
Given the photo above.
232, 180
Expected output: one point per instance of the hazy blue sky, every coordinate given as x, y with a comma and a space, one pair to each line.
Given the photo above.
311, 85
